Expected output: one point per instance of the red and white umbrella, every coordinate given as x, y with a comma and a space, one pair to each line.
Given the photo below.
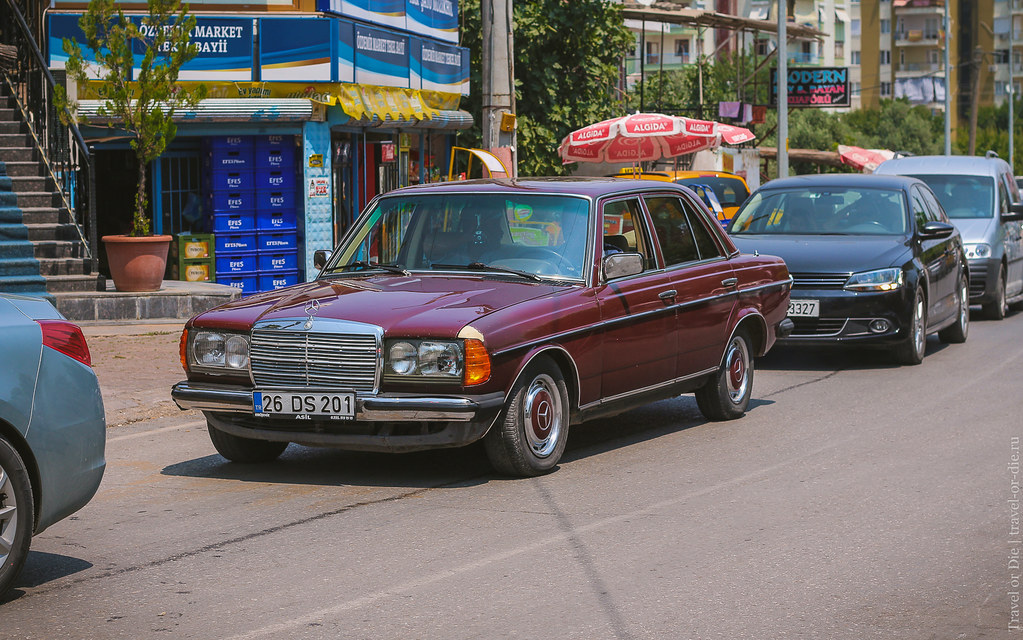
644, 137
865, 160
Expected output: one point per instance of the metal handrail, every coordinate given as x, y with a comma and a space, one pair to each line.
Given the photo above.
64, 152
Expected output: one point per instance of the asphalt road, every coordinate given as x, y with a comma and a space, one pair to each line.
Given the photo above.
856, 499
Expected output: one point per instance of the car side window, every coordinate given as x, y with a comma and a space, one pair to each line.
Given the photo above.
704, 238
936, 212
1003, 196
673, 228
918, 207
623, 230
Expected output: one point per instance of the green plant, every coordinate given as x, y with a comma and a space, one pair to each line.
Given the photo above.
156, 45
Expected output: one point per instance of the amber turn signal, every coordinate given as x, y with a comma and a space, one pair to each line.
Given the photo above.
477, 363
183, 350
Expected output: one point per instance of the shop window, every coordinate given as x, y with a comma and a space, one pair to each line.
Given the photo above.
178, 205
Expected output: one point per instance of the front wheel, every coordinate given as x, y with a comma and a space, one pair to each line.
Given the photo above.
911, 350
957, 332
997, 308
237, 449
529, 438
726, 395
16, 515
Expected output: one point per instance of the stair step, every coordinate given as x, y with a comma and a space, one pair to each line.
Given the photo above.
19, 267
58, 249
37, 199
11, 127
9, 115
42, 215
14, 231
52, 231
49, 267
30, 184
13, 214
17, 249
16, 139
18, 168
178, 300
25, 285
82, 282
12, 154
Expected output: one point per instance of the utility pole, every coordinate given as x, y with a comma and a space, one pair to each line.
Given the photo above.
948, 83
1012, 96
498, 89
783, 90
978, 58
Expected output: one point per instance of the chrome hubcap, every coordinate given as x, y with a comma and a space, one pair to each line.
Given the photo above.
919, 337
964, 305
8, 516
737, 369
541, 412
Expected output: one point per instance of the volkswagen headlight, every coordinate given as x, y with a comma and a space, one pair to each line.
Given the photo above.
977, 251
879, 280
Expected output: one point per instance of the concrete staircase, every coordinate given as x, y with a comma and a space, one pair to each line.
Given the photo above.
31, 211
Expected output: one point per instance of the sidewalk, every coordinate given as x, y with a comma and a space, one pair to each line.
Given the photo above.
136, 363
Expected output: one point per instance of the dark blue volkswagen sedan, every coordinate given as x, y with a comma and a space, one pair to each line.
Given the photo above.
874, 259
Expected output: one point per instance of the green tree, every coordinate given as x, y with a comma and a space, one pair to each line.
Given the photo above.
899, 126
142, 106
567, 56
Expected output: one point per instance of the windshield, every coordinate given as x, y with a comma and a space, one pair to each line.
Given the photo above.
542, 235
730, 191
963, 196
824, 211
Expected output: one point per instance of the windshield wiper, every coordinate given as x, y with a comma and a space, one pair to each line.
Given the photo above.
361, 264
479, 266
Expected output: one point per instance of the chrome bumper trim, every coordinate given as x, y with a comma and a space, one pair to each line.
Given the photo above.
396, 407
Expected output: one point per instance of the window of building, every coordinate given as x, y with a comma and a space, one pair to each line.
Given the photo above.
934, 56
653, 52
682, 49
886, 89
886, 26
854, 27
885, 56
854, 88
855, 57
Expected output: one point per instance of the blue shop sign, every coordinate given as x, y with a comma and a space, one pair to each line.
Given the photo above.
223, 46
389, 13
439, 67
381, 57
297, 49
433, 18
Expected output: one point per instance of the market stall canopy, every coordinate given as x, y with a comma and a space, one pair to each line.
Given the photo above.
642, 137
865, 160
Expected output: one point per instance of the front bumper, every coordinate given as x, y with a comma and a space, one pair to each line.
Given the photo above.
383, 422
846, 317
983, 279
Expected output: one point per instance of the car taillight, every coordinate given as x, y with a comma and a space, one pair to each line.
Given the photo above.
66, 337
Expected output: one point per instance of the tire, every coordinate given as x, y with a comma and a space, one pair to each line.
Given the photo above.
997, 308
911, 350
957, 333
17, 515
529, 437
237, 449
727, 394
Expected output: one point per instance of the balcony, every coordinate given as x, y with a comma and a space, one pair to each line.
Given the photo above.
804, 58
918, 69
919, 7
917, 38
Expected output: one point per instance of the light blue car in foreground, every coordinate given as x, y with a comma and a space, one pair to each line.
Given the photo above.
52, 426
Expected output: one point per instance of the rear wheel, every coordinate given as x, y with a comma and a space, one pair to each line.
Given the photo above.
238, 449
726, 395
911, 350
16, 515
957, 332
530, 436
997, 308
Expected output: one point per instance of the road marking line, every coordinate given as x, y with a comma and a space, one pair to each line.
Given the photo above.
142, 434
286, 627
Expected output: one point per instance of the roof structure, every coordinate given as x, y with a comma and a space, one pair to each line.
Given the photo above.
671, 13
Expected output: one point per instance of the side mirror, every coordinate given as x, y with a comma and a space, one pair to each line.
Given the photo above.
1015, 213
320, 258
935, 230
619, 265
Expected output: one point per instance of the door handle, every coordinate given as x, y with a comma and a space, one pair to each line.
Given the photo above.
729, 282
667, 295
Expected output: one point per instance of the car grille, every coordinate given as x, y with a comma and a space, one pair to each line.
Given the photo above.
819, 280
978, 277
816, 327
300, 359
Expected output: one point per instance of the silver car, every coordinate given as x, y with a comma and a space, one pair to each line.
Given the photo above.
52, 426
982, 200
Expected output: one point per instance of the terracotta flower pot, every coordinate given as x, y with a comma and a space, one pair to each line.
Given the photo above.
137, 264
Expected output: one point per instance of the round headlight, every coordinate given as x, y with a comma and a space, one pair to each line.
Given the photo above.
208, 349
402, 358
440, 358
237, 349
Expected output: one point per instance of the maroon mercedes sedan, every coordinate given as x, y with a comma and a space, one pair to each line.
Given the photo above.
501, 310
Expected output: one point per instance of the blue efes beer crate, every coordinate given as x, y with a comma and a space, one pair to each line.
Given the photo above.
228, 263
276, 240
276, 220
279, 200
268, 179
232, 201
277, 260
234, 222
235, 242
277, 280
248, 283
231, 180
